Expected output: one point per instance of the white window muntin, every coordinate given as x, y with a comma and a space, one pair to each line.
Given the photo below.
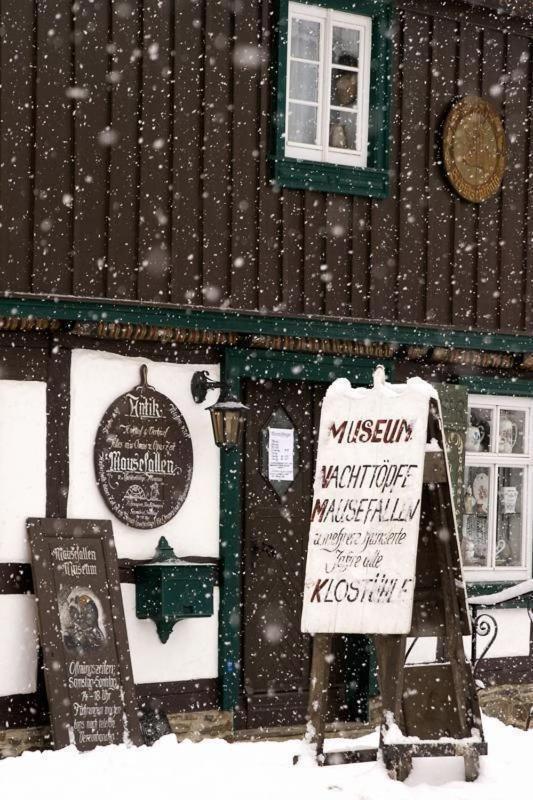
496, 460
318, 15
321, 150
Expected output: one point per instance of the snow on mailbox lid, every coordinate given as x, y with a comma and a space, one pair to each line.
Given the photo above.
365, 515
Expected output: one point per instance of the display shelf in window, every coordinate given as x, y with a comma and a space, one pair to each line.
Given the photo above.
333, 96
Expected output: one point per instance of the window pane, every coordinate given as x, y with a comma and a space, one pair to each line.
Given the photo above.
302, 123
305, 39
479, 431
303, 81
511, 437
509, 522
476, 517
345, 46
343, 130
344, 88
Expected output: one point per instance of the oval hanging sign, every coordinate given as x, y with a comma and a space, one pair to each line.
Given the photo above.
143, 457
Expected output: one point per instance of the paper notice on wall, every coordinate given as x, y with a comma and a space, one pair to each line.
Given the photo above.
281, 454
365, 514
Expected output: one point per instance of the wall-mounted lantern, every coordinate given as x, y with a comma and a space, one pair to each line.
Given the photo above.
228, 414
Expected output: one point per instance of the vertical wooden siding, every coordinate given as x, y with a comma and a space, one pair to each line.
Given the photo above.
134, 143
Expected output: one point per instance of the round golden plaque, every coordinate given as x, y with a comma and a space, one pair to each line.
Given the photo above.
474, 148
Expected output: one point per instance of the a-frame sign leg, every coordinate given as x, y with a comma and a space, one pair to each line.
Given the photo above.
318, 693
390, 651
471, 759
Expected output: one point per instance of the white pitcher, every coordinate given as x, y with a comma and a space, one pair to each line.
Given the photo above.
508, 436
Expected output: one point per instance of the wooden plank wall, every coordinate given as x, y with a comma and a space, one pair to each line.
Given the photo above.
134, 142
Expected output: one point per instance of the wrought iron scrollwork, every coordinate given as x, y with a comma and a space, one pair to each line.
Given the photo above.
483, 625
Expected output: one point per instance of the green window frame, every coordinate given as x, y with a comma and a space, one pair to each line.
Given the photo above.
369, 181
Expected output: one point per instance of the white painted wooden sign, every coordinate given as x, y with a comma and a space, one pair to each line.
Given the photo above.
365, 515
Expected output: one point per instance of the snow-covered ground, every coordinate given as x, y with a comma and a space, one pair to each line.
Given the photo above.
216, 770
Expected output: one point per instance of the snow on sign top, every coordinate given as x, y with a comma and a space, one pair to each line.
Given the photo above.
365, 515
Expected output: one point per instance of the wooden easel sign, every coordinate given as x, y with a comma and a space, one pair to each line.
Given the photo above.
365, 516
88, 676
384, 559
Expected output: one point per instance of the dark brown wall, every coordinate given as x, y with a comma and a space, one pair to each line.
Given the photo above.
148, 178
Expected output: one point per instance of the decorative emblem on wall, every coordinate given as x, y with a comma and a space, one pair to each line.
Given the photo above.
143, 457
474, 148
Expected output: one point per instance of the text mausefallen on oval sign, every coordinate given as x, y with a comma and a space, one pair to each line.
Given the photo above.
365, 515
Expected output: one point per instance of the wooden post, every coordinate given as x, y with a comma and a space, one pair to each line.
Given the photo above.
318, 692
390, 652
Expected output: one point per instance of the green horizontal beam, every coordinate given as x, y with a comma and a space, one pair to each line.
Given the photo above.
272, 324
481, 384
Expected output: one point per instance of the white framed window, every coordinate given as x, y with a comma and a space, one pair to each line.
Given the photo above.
328, 85
498, 483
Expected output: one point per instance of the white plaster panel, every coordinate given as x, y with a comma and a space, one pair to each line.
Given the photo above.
22, 463
18, 644
97, 379
513, 634
190, 652
424, 650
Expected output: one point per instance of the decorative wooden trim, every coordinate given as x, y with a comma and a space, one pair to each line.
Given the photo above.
476, 358
28, 324
337, 346
441, 355
153, 333
197, 318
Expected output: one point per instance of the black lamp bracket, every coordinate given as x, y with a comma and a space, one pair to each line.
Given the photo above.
201, 383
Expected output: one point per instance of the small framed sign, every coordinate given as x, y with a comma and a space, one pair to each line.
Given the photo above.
279, 451
87, 667
143, 457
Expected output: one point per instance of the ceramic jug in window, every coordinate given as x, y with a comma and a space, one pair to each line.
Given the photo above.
508, 436
474, 436
508, 498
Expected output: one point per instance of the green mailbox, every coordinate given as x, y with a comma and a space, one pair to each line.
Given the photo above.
168, 589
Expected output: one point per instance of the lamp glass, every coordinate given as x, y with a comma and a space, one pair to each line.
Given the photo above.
228, 424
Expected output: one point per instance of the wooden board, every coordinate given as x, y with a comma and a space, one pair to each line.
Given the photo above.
93, 145
181, 206
363, 537
423, 702
87, 666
